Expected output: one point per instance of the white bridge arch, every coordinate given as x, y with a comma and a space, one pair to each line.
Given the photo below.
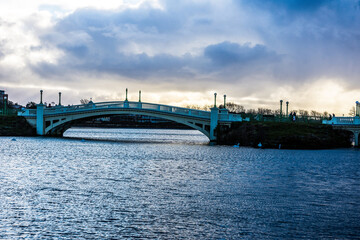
55, 121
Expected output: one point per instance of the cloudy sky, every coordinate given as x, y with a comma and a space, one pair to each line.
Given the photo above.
256, 52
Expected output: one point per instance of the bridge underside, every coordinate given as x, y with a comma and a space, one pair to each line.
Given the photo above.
355, 129
56, 125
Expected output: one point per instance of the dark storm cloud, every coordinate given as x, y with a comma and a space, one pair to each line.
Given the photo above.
144, 19
142, 66
319, 38
301, 40
227, 53
96, 40
137, 66
291, 5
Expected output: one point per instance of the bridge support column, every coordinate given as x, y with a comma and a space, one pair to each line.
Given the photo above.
356, 136
213, 123
40, 128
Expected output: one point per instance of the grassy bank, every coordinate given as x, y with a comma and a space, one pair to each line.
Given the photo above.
15, 126
289, 135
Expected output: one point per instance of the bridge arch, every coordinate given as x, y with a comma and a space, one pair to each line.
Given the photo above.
57, 125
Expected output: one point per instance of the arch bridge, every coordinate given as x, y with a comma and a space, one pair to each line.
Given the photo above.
54, 121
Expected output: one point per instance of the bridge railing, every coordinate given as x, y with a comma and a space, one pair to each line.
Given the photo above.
27, 112
134, 105
120, 104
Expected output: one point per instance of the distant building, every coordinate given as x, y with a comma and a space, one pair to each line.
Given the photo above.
3, 100
2, 96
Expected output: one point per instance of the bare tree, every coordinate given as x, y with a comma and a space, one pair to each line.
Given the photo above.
197, 107
315, 113
352, 111
303, 112
265, 111
31, 105
233, 107
277, 112
251, 111
236, 108
84, 101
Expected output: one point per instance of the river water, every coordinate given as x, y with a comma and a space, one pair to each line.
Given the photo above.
170, 184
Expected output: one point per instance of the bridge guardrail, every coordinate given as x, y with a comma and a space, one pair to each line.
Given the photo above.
120, 104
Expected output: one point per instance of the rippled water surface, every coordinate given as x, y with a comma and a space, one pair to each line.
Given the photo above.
170, 184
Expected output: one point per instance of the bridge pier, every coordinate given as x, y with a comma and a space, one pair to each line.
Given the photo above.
40, 126
356, 136
214, 119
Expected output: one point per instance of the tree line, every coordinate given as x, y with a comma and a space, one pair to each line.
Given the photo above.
240, 109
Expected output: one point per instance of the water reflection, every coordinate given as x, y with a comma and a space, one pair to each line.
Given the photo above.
68, 188
139, 135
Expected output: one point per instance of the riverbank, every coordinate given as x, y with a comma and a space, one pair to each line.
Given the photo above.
284, 135
269, 134
15, 126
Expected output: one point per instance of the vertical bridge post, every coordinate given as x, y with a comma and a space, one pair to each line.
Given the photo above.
287, 109
213, 123
214, 118
356, 136
126, 102
139, 103
40, 128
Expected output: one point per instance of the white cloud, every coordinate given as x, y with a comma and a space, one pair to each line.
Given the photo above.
180, 52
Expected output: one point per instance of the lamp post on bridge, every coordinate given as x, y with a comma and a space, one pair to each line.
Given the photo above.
287, 108
215, 100
126, 102
281, 102
224, 101
41, 91
139, 95
59, 98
